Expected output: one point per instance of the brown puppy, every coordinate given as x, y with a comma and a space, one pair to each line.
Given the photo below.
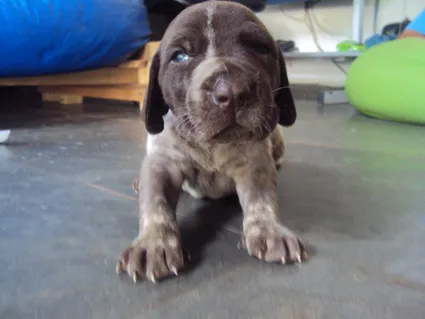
217, 98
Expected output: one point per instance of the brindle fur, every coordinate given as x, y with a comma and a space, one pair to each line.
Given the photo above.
213, 148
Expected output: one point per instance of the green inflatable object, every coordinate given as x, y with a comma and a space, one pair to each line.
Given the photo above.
388, 81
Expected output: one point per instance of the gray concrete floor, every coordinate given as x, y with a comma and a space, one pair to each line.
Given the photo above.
352, 186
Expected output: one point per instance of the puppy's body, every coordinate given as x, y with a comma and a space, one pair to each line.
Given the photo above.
207, 167
215, 106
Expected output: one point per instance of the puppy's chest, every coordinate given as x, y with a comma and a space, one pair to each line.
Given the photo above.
207, 160
220, 158
223, 158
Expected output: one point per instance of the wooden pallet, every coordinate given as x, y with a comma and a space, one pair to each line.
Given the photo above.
126, 82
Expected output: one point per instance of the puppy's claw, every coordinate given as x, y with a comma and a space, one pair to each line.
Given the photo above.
135, 185
119, 267
241, 244
299, 259
152, 278
273, 242
135, 277
174, 270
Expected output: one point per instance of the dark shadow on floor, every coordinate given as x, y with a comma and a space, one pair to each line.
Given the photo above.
201, 221
22, 108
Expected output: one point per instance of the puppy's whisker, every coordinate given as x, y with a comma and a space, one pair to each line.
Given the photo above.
225, 67
268, 125
281, 88
189, 133
181, 117
209, 117
265, 125
183, 122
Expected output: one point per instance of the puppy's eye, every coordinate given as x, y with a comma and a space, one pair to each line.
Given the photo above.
180, 56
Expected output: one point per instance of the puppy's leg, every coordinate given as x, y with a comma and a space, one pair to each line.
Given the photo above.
278, 146
156, 252
263, 235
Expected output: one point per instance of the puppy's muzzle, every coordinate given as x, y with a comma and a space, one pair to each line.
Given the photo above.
230, 99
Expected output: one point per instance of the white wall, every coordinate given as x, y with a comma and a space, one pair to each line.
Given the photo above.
333, 23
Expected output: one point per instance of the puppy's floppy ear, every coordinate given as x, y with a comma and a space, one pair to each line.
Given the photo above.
154, 106
283, 98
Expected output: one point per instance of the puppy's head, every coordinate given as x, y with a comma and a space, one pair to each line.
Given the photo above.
222, 75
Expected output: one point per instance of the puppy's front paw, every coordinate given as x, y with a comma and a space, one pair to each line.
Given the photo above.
152, 258
273, 242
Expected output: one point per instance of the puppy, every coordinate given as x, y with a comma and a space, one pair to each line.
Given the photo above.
215, 106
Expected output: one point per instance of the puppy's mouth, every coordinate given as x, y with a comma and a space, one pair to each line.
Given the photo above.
232, 132
254, 122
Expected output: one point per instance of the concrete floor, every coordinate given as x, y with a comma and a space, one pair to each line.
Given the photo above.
352, 186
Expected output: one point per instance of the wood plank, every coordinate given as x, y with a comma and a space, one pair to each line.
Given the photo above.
148, 54
144, 76
131, 64
63, 99
113, 92
146, 57
129, 72
149, 51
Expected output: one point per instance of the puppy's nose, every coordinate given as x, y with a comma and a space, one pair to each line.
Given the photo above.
222, 94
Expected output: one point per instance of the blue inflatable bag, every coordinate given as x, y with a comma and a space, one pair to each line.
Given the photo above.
40, 37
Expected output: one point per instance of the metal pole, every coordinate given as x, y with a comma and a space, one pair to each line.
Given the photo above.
358, 18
